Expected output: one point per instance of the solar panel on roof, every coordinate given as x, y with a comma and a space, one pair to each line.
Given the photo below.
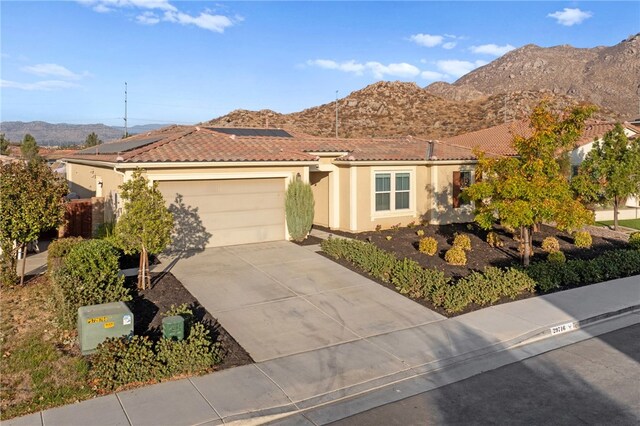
116, 147
273, 133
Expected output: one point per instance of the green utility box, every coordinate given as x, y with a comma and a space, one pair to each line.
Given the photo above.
97, 322
173, 327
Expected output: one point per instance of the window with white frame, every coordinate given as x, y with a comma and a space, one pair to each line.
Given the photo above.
392, 191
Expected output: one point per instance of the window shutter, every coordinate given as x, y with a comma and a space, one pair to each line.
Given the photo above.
456, 190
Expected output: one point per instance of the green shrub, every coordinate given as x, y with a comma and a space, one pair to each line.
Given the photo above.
611, 265
58, 249
634, 240
182, 310
462, 241
364, 255
124, 360
428, 246
556, 256
191, 355
457, 297
299, 208
455, 256
89, 275
550, 245
494, 283
494, 240
582, 239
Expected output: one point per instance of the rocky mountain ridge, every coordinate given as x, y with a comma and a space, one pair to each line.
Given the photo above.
503, 90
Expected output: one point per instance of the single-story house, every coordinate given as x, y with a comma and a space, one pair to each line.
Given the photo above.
236, 178
498, 139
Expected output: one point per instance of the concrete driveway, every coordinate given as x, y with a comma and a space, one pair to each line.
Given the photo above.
279, 299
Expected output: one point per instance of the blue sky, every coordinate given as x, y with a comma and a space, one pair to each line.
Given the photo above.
186, 62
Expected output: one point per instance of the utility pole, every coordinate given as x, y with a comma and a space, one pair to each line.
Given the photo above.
126, 131
336, 114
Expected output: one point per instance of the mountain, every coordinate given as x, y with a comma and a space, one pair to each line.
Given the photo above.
606, 76
397, 109
48, 134
505, 89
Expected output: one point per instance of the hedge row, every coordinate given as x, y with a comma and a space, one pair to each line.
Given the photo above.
411, 279
609, 266
481, 288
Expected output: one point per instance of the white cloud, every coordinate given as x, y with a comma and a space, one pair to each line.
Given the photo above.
492, 49
377, 69
569, 17
427, 40
207, 21
54, 70
432, 75
170, 13
39, 85
147, 18
457, 68
397, 70
449, 45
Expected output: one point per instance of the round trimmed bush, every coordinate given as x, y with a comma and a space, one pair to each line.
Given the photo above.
494, 240
456, 256
550, 245
582, 239
634, 240
428, 246
556, 257
462, 241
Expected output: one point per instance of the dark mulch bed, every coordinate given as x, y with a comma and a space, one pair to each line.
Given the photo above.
309, 241
404, 243
149, 305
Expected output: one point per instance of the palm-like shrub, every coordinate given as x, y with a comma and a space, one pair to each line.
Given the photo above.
428, 246
462, 241
550, 245
456, 256
494, 240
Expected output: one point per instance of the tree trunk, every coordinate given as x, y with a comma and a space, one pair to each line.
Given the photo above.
616, 202
144, 280
23, 249
526, 240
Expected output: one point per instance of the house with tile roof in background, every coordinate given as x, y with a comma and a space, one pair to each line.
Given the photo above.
497, 140
234, 179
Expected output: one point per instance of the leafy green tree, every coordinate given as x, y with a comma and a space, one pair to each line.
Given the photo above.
92, 140
4, 145
299, 208
146, 224
31, 201
611, 171
29, 148
529, 188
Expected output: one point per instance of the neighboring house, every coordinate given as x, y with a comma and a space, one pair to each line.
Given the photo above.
236, 178
498, 139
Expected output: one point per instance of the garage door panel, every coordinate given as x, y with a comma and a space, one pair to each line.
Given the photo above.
241, 219
233, 211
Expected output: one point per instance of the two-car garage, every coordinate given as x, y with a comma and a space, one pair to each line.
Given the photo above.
232, 211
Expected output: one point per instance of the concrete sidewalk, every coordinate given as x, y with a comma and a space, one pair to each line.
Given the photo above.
416, 356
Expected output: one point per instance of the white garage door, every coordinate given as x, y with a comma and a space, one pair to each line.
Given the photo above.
235, 211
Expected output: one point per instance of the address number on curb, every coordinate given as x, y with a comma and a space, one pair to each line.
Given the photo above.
562, 328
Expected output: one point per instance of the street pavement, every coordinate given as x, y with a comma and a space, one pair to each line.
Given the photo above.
323, 335
596, 381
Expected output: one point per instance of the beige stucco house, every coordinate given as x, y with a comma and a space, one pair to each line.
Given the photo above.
498, 139
235, 179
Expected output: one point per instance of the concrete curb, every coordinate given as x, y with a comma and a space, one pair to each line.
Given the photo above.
422, 373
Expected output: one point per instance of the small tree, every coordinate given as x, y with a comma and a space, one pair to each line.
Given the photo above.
92, 140
146, 224
29, 148
528, 189
4, 145
31, 201
611, 171
299, 207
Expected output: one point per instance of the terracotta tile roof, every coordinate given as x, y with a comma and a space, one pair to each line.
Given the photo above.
447, 151
497, 139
